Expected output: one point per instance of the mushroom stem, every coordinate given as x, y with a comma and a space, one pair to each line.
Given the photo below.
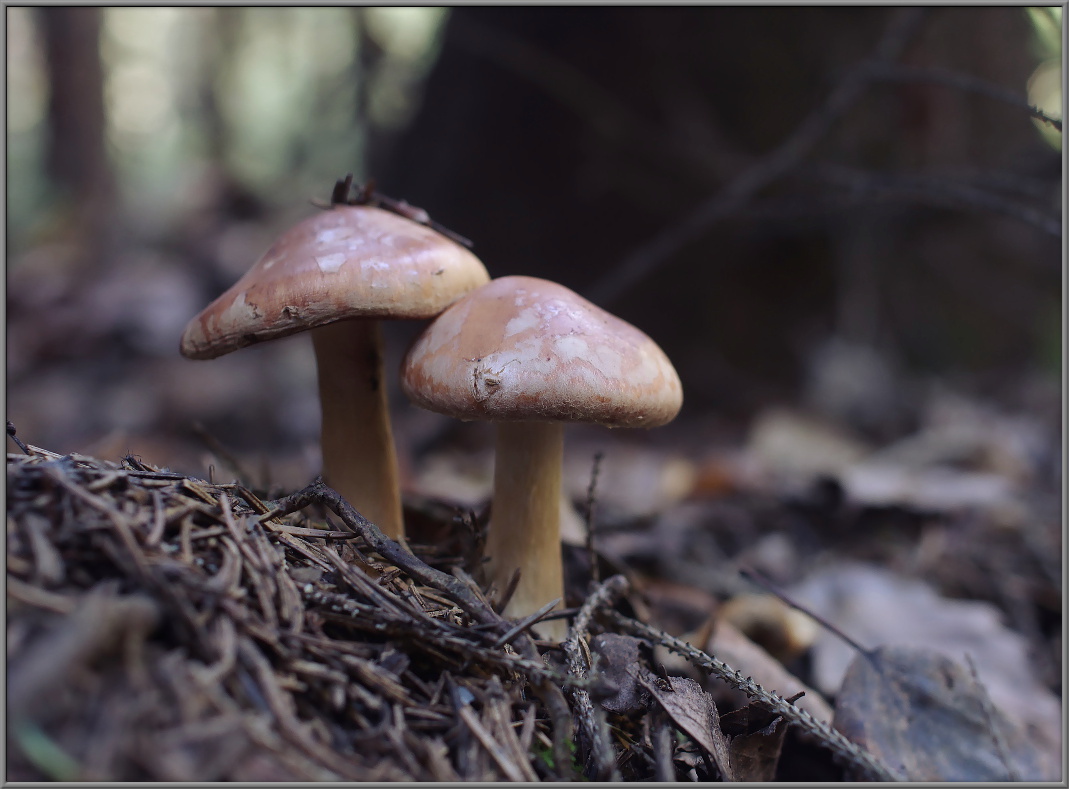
359, 460
525, 521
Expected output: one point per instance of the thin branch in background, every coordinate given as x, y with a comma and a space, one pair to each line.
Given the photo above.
896, 72
810, 208
603, 112
767, 170
605, 115
1016, 184
767, 583
937, 191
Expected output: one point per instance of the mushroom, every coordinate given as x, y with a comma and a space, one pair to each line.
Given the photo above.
337, 274
531, 355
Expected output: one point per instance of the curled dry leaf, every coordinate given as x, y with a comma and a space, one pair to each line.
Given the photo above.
751, 755
694, 712
755, 754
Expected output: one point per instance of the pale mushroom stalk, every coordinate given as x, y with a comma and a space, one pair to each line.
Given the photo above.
359, 460
525, 522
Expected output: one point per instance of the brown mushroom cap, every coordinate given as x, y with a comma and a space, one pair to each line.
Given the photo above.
525, 349
346, 262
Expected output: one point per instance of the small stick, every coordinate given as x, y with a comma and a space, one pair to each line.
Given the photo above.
16, 439
300, 531
661, 739
341, 190
367, 195
591, 723
215, 446
595, 572
509, 591
250, 498
526, 622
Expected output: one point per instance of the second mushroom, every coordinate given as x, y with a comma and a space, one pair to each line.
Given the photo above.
531, 355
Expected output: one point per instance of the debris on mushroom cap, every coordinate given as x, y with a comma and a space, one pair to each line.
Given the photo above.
525, 349
347, 262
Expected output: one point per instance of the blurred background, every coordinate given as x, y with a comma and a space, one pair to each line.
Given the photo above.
843, 225
843, 211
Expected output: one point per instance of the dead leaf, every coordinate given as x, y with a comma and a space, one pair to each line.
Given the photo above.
961, 431
755, 755
875, 606
618, 665
879, 483
694, 712
746, 720
797, 445
925, 715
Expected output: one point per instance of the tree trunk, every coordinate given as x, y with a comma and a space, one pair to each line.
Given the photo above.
76, 158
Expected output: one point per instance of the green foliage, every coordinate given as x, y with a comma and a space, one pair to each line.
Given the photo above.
279, 99
1044, 86
544, 753
1047, 29
45, 753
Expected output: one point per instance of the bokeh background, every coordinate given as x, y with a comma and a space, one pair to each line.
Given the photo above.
835, 209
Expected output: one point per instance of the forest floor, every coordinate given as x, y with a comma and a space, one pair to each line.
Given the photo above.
163, 627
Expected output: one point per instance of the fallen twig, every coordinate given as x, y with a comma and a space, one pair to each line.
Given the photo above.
591, 720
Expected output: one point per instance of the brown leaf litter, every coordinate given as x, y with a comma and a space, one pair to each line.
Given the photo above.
165, 628
162, 628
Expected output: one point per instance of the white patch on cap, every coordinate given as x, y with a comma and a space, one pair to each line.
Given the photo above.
648, 367
328, 264
554, 307
527, 319
329, 235
609, 361
238, 313
570, 347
